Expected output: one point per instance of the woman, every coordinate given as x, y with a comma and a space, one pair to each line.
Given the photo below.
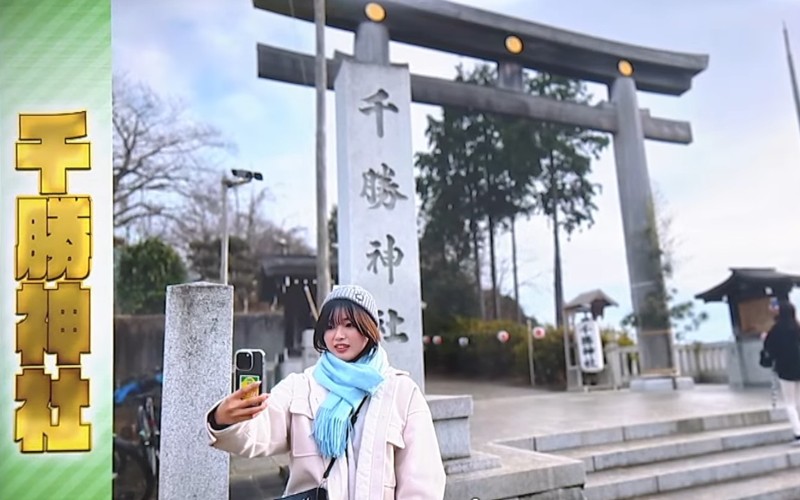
783, 345
389, 452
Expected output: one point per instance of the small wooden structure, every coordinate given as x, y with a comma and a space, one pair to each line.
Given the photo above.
748, 292
282, 283
593, 303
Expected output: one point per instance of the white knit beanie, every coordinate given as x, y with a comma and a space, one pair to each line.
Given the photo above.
356, 295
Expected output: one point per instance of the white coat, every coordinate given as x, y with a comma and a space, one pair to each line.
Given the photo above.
398, 456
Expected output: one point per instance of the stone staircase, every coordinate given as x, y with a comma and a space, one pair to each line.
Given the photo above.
746, 455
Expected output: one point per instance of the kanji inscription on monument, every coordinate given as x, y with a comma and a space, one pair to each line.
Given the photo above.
377, 105
380, 188
390, 322
390, 257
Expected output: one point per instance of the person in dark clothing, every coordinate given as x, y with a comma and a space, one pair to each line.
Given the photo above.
783, 345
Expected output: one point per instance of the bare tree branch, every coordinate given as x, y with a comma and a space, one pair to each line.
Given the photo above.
159, 152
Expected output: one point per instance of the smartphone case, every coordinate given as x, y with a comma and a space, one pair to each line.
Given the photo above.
243, 376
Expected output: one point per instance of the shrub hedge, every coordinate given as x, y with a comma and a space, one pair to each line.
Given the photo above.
486, 357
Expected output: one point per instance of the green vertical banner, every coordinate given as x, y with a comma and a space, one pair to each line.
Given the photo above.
56, 246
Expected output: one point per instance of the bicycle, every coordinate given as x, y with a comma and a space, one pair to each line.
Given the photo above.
131, 475
136, 462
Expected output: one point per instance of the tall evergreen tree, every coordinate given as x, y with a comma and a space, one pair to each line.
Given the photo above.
565, 193
143, 273
483, 171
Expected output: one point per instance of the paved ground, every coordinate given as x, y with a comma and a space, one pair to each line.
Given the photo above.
503, 410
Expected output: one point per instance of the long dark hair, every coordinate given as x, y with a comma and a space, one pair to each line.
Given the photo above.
787, 315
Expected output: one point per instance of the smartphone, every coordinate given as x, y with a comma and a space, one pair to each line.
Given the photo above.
249, 368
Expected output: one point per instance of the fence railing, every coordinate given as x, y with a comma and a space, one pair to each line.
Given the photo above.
704, 362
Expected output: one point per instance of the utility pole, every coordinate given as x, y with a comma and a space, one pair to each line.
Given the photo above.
321, 81
517, 307
225, 248
792, 74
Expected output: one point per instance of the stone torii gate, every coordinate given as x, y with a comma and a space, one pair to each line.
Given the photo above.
515, 45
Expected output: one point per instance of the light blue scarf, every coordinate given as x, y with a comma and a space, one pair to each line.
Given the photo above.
348, 383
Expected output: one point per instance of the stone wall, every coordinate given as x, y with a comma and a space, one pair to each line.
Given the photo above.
139, 340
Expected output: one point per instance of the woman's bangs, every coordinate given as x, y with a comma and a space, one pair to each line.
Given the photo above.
341, 313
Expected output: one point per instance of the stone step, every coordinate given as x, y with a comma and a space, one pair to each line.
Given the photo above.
671, 475
578, 439
644, 451
781, 485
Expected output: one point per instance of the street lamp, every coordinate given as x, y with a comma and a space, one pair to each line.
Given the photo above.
240, 177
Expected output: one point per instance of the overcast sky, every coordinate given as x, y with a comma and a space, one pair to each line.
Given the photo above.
732, 194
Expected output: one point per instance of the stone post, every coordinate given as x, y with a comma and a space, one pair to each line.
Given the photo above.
614, 361
310, 355
198, 353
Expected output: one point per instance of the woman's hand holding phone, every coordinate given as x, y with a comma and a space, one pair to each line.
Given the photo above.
238, 407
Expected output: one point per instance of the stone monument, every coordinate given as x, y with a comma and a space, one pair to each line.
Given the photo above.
378, 246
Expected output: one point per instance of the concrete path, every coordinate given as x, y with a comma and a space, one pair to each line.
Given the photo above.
514, 413
503, 410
